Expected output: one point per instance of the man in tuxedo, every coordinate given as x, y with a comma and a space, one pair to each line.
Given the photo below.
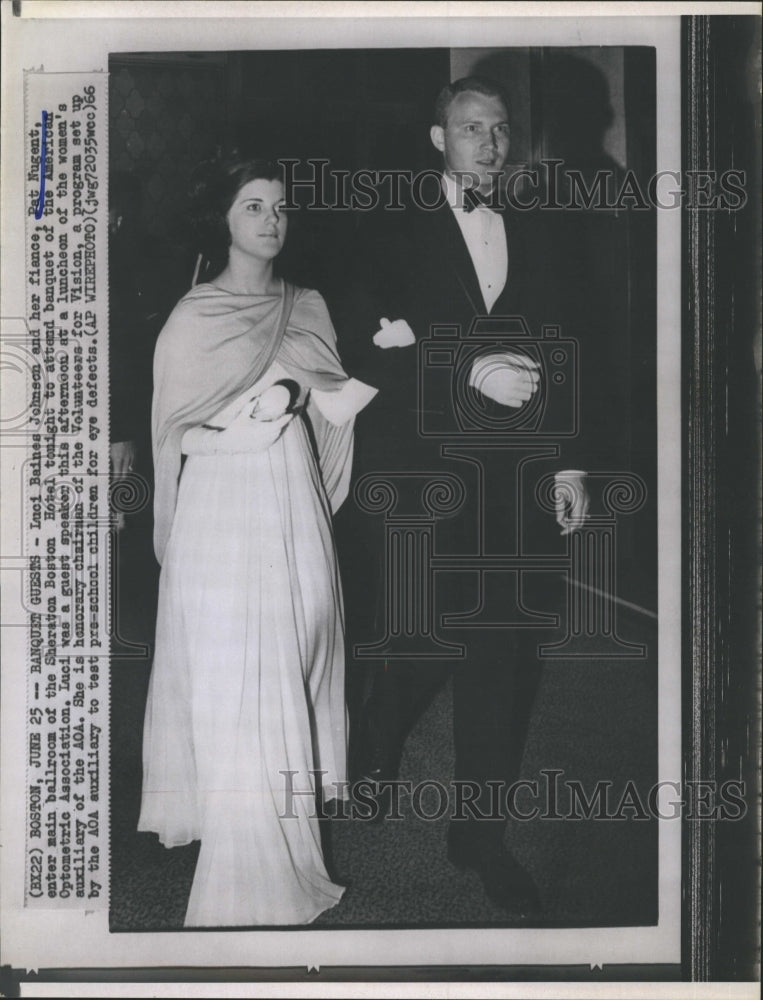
444, 264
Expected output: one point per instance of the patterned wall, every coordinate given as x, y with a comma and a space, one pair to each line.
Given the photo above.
165, 116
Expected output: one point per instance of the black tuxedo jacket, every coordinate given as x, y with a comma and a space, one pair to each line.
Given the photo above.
564, 269
414, 265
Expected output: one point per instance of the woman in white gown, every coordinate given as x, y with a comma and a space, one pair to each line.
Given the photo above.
246, 701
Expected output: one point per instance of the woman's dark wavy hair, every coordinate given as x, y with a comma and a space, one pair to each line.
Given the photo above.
214, 186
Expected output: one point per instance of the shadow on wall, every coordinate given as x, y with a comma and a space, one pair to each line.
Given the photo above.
572, 117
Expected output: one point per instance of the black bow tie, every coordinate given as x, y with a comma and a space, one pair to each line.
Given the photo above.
473, 199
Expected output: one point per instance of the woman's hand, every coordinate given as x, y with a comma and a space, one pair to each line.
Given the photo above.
245, 433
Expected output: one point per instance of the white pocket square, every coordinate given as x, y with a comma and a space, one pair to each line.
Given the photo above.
397, 334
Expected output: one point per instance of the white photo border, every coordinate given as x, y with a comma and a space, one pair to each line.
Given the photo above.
34, 938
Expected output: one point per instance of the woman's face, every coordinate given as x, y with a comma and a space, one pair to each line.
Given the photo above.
257, 219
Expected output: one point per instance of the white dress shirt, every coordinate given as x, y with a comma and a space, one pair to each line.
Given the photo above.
485, 239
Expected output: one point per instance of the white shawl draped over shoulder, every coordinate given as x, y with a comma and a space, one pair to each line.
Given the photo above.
213, 347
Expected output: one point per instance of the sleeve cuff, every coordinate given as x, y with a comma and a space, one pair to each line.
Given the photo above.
343, 404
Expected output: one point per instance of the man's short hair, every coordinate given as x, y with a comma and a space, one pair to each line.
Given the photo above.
467, 84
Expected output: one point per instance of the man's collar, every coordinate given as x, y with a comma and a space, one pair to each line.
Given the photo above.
455, 195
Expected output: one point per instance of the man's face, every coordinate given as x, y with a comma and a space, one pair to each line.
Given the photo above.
475, 139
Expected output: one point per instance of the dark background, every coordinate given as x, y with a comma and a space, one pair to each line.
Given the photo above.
371, 109
593, 108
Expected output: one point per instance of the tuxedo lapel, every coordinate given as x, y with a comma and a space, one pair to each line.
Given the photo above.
447, 243
443, 239
509, 300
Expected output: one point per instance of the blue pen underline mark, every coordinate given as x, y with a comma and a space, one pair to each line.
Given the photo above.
43, 156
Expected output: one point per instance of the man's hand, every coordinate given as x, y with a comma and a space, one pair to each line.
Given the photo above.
572, 500
397, 334
122, 455
509, 379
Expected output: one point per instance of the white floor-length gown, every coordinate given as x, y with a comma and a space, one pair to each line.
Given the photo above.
246, 698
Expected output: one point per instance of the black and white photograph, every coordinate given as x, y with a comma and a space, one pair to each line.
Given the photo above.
466, 639
382, 591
